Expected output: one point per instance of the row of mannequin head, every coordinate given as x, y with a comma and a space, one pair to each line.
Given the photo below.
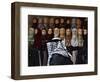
59, 32
60, 20
71, 36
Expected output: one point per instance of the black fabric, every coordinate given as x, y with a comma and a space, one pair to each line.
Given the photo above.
43, 42
44, 55
79, 57
51, 26
82, 57
62, 25
85, 49
49, 37
58, 59
33, 56
68, 26
34, 25
57, 25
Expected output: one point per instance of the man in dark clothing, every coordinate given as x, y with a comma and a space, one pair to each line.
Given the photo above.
58, 54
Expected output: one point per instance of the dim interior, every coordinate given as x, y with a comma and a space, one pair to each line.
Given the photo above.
57, 40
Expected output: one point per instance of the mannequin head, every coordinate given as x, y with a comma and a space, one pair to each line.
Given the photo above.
62, 20
56, 32
85, 31
31, 31
62, 33
43, 31
68, 32
36, 31
74, 32
80, 32
73, 20
78, 21
45, 20
34, 20
51, 20
40, 20
57, 21
68, 21
49, 31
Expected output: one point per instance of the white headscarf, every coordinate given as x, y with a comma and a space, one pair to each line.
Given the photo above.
74, 40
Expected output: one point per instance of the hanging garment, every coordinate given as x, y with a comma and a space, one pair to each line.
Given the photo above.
33, 57
44, 55
74, 43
